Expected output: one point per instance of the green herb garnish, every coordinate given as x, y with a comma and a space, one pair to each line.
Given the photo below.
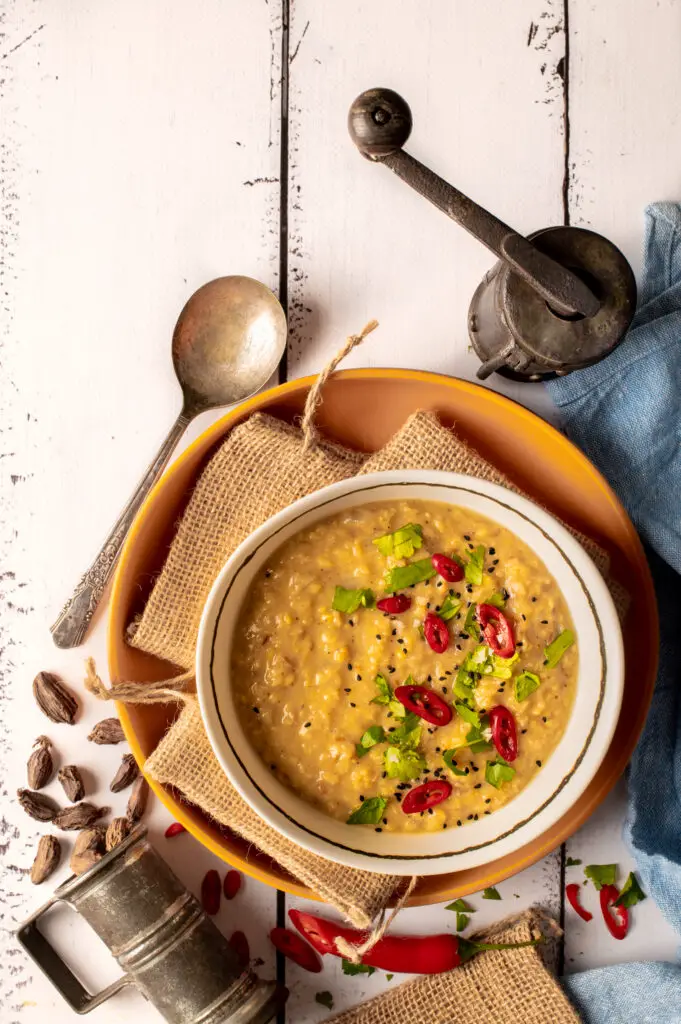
349, 601
475, 566
324, 999
350, 968
557, 648
601, 874
460, 907
403, 763
402, 543
449, 608
461, 921
369, 812
497, 600
463, 686
497, 772
475, 741
470, 625
491, 894
525, 684
468, 715
402, 576
374, 734
485, 662
631, 893
389, 977
448, 758
408, 733
572, 863
387, 697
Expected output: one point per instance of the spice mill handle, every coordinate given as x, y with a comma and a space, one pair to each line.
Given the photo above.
380, 123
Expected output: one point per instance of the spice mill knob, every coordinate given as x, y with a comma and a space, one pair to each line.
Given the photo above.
379, 123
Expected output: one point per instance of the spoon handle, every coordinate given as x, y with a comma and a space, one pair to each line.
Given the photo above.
70, 628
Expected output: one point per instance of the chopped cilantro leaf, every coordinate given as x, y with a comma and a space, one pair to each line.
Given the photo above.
350, 968
461, 921
475, 565
463, 686
401, 576
491, 894
386, 696
402, 543
371, 737
470, 625
324, 999
485, 662
449, 608
461, 907
631, 893
497, 600
525, 684
468, 715
497, 772
448, 757
408, 733
572, 863
557, 648
403, 763
368, 813
348, 601
475, 739
601, 874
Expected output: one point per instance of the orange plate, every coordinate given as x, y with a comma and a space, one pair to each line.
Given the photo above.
362, 409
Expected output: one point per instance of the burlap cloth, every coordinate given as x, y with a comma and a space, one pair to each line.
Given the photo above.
502, 987
262, 466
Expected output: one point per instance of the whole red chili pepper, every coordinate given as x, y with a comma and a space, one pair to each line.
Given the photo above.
572, 892
436, 633
616, 918
210, 892
409, 954
296, 949
497, 630
174, 830
446, 567
428, 795
231, 884
425, 703
504, 733
394, 605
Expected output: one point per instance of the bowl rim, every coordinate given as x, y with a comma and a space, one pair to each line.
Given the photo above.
570, 553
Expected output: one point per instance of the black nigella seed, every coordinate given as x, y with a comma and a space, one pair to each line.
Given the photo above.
464, 636
459, 823
405, 651
439, 583
378, 636
444, 825
442, 679
519, 643
450, 592
475, 768
391, 669
351, 622
491, 569
444, 689
384, 775
268, 573
478, 785
469, 589
430, 810
505, 594
475, 817
398, 797
308, 724
431, 731
437, 750
257, 710
523, 731
466, 536
538, 764
394, 632
352, 704
470, 817
378, 830
361, 798
492, 551
533, 599
447, 672
545, 662
495, 562
470, 546
437, 607
348, 690
400, 640
385, 821
358, 678
524, 618
544, 622
427, 604
391, 729
430, 679
488, 800
458, 647
349, 667
543, 718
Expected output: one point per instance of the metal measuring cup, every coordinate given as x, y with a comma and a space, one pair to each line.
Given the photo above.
160, 935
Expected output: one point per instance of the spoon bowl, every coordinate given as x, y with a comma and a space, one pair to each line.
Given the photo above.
227, 342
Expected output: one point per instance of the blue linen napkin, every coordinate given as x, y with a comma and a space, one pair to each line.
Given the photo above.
625, 413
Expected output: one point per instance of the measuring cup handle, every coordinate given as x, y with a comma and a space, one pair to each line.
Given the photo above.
54, 968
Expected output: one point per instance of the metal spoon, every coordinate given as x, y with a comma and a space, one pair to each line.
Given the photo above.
227, 343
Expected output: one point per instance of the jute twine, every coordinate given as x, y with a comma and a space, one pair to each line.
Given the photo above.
263, 465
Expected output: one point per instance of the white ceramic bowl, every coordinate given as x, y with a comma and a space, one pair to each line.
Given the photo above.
541, 803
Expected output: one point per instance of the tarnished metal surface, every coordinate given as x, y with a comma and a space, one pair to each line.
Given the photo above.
161, 937
556, 301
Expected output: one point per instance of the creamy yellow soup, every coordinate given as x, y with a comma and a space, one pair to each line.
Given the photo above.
315, 686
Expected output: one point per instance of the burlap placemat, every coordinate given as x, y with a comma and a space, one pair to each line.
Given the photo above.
503, 987
261, 467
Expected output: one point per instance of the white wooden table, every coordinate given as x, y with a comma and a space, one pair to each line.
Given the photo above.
148, 147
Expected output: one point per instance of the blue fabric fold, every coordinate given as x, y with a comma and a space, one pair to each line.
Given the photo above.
625, 413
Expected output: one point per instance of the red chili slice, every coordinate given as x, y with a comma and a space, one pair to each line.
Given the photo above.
210, 892
616, 918
436, 633
572, 892
296, 949
425, 703
231, 884
446, 567
497, 630
428, 795
239, 944
504, 734
176, 829
394, 605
